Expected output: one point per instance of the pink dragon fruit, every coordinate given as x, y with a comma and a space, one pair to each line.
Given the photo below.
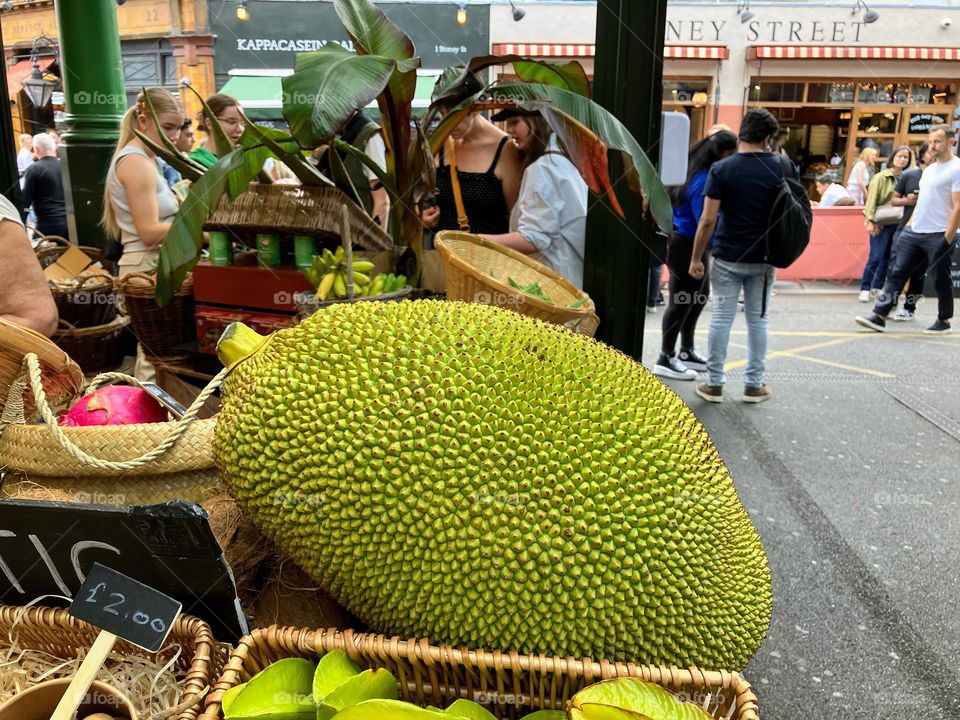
114, 405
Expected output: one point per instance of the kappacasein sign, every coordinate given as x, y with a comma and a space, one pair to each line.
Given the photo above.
278, 29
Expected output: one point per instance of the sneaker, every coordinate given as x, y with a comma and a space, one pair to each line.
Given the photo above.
668, 366
756, 394
874, 292
693, 359
651, 310
940, 327
710, 393
864, 296
903, 316
874, 322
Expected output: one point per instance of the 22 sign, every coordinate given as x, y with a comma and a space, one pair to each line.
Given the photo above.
125, 607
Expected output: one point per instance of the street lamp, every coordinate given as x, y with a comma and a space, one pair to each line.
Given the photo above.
518, 13
744, 11
869, 16
37, 87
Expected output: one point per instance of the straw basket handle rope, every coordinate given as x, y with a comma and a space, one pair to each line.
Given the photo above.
30, 375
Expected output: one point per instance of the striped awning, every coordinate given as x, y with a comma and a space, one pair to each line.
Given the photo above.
544, 50
850, 52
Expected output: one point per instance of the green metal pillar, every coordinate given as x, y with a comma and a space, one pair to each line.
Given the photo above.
95, 102
628, 81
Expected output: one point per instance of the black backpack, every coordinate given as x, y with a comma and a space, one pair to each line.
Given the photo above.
791, 220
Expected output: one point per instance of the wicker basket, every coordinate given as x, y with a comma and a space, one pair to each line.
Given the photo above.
130, 464
55, 632
307, 303
52, 247
62, 377
96, 349
159, 329
297, 209
508, 684
89, 302
479, 271
31, 454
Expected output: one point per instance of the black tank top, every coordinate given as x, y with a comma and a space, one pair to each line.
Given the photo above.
482, 198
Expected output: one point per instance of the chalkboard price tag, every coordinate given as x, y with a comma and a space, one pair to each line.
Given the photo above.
129, 609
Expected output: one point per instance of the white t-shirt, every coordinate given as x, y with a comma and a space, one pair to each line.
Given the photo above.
8, 211
377, 151
832, 194
935, 201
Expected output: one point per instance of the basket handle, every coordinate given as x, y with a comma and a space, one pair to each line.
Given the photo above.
30, 376
54, 239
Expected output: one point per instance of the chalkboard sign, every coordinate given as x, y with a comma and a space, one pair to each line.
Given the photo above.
924, 122
48, 548
129, 609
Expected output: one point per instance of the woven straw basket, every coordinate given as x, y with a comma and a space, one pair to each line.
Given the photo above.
130, 464
54, 631
62, 377
510, 685
158, 329
96, 348
298, 209
479, 271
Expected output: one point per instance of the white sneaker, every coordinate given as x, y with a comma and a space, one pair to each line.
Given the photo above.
669, 367
864, 296
903, 316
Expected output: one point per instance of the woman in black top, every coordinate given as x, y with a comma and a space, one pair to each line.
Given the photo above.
489, 171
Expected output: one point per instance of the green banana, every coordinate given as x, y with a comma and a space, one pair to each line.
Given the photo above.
340, 285
364, 266
360, 279
323, 289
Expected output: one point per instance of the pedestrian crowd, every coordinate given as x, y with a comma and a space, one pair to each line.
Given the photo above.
723, 222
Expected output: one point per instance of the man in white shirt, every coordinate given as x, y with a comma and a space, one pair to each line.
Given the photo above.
24, 294
25, 156
831, 193
929, 238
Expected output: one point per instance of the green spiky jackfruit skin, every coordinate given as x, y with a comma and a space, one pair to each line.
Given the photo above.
469, 475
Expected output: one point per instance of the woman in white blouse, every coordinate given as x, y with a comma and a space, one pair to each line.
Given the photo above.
549, 219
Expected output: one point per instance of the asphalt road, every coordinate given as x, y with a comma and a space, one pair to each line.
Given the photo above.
851, 473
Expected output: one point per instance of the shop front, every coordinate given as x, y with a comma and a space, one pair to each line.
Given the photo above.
252, 56
162, 42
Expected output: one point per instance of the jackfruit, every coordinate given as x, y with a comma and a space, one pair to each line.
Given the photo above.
467, 474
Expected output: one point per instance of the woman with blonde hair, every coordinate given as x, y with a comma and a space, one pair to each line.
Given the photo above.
860, 176
138, 205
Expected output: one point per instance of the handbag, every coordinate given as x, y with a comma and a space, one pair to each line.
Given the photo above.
888, 215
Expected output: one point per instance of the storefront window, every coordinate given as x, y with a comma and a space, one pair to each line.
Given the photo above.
777, 92
683, 91
924, 122
877, 123
935, 93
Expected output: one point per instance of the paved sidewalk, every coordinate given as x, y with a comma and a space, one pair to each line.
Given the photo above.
852, 475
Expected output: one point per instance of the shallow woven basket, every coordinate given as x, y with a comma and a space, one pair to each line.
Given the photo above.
469, 260
54, 631
96, 349
510, 685
53, 246
31, 454
158, 329
62, 377
297, 209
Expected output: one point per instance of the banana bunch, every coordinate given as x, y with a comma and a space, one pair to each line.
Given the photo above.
328, 272
382, 284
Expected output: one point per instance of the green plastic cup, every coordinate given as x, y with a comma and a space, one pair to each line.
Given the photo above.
268, 250
221, 249
303, 250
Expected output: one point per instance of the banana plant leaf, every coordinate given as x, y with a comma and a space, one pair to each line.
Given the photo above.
282, 146
220, 140
341, 177
569, 75
181, 245
326, 89
167, 150
587, 130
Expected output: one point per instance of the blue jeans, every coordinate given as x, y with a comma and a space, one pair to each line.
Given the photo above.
726, 280
875, 271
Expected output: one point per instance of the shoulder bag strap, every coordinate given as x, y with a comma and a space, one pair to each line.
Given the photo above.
462, 218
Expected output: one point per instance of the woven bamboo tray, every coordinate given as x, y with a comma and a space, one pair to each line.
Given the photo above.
510, 685
54, 631
297, 209
158, 329
96, 349
62, 377
469, 260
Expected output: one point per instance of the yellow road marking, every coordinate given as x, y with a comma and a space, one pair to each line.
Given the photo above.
733, 365
842, 366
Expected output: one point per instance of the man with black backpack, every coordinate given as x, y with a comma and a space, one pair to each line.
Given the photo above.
762, 219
